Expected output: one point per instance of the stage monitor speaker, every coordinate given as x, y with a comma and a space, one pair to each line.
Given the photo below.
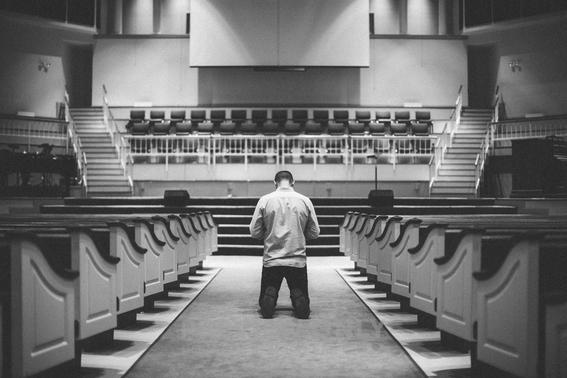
381, 198
175, 198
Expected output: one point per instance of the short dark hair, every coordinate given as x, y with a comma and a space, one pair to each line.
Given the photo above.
283, 175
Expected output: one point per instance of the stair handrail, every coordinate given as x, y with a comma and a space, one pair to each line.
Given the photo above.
84, 175
480, 161
456, 114
496, 104
75, 142
439, 151
116, 137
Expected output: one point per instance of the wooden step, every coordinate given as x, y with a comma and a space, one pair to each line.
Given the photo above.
100, 155
454, 184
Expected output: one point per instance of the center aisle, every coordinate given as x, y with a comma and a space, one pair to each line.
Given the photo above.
222, 334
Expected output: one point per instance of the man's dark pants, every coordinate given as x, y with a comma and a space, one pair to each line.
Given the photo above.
296, 278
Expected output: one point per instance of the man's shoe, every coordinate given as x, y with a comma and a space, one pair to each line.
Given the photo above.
301, 304
268, 303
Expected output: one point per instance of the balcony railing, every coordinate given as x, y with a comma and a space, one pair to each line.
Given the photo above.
528, 128
280, 149
32, 127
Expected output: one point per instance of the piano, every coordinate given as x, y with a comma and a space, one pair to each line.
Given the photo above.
24, 174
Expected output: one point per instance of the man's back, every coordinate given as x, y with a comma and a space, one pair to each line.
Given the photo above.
284, 219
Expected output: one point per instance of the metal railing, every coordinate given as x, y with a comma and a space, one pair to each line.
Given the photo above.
392, 149
480, 162
31, 127
439, 151
281, 149
445, 140
73, 138
456, 115
116, 138
528, 128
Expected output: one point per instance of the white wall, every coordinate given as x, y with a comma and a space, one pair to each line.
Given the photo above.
173, 16
137, 16
23, 43
279, 33
386, 16
414, 70
26, 88
144, 70
541, 48
157, 71
423, 17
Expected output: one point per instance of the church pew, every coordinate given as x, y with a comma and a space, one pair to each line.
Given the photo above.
190, 237
80, 249
204, 226
170, 251
342, 232
158, 261
37, 335
511, 308
131, 271
358, 219
348, 237
214, 230
192, 223
358, 227
555, 334
367, 236
389, 233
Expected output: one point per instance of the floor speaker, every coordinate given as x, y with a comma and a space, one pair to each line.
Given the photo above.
381, 198
175, 198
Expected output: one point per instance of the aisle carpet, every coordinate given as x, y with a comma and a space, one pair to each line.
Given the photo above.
222, 334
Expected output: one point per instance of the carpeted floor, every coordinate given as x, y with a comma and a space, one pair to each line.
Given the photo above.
222, 334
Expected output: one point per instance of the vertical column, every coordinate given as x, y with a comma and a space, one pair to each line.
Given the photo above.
423, 17
137, 17
113, 16
455, 11
174, 16
444, 17
386, 16
157, 16
403, 16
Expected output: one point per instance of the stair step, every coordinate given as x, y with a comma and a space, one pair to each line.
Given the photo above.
463, 150
94, 139
105, 172
100, 155
454, 184
452, 192
469, 162
456, 175
102, 161
460, 155
458, 181
471, 131
107, 180
465, 143
101, 148
91, 132
456, 167
107, 189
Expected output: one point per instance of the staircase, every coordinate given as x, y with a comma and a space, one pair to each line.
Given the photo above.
105, 177
456, 176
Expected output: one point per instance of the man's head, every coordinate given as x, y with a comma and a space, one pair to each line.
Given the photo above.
283, 179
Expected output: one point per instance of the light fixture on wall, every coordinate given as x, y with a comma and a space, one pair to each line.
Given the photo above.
43, 66
515, 65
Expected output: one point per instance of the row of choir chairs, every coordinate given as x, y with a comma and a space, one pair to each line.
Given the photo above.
67, 281
366, 122
494, 285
